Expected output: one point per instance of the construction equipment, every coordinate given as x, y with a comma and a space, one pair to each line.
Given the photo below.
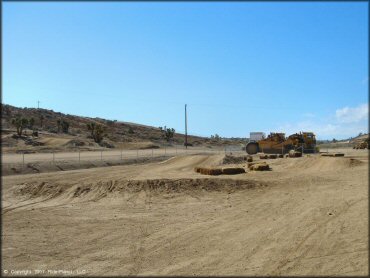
364, 144
277, 143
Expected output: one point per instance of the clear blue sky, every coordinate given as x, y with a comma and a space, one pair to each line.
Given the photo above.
240, 67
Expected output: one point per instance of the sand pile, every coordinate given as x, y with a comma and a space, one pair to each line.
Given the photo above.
322, 164
98, 190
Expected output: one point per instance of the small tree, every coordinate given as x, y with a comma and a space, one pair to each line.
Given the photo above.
20, 123
41, 121
130, 130
168, 133
65, 126
59, 124
31, 122
97, 131
6, 110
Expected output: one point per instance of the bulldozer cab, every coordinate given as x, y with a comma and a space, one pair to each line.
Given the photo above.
309, 138
276, 137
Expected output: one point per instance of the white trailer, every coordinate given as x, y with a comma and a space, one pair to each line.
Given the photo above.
256, 136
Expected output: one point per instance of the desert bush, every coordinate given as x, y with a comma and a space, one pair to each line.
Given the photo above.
31, 122
20, 123
110, 122
167, 133
41, 118
63, 126
6, 110
97, 131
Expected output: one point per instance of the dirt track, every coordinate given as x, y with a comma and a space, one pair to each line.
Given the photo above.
308, 216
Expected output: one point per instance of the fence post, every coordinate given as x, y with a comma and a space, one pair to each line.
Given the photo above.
121, 154
152, 153
101, 155
137, 153
79, 157
53, 157
165, 151
22, 160
282, 149
176, 149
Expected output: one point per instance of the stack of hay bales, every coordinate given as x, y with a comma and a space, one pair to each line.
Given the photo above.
270, 156
218, 171
263, 166
208, 171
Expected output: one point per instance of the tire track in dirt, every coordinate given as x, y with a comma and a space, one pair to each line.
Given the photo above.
297, 259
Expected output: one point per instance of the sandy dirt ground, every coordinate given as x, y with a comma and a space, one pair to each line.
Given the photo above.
307, 216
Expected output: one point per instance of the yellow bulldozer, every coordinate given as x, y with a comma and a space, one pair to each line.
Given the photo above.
277, 143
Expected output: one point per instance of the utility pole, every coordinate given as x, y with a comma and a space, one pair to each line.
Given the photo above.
38, 104
186, 129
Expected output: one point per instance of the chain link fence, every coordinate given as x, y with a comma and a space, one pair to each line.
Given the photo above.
23, 160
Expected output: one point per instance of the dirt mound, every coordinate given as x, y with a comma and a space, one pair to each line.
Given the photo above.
322, 163
101, 189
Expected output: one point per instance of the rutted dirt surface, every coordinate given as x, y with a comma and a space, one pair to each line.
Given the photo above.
307, 216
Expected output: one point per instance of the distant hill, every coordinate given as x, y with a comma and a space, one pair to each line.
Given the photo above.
118, 134
350, 142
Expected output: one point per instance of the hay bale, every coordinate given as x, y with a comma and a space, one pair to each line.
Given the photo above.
272, 156
263, 156
233, 170
332, 154
293, 153
215, 171
197, 169
249, 159
281, 155
260, 167
209, 171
